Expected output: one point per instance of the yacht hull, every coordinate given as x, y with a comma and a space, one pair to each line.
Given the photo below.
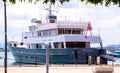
56, 56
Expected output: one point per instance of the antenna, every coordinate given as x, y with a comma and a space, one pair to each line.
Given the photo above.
22, 34
99, 32
50, 9
50, 17
65, 18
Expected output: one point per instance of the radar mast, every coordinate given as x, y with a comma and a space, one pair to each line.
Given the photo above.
50, 17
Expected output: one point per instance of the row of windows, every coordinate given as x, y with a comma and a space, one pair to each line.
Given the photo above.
60, 31
47, 32
33, 57
70, 31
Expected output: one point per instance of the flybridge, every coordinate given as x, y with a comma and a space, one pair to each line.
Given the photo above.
62, 24
83, 23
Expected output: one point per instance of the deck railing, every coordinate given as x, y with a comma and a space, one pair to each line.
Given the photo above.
88, 62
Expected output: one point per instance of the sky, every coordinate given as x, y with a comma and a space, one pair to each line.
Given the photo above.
104, 20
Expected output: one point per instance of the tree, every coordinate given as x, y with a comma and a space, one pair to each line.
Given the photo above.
95, 2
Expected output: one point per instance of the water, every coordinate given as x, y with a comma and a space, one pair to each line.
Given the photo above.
1, 45
117, 62
10, 59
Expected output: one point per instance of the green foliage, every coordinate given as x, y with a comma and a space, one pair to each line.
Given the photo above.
53, 1
103, 2
95, 2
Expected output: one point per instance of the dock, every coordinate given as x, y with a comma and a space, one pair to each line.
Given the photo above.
54, 69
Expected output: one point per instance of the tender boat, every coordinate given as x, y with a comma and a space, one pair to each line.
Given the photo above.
115, 54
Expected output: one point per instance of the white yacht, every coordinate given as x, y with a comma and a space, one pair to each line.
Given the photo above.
68, 43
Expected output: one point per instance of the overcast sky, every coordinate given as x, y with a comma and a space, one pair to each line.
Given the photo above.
105, 19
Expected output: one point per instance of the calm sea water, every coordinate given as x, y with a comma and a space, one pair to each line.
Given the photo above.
11, 60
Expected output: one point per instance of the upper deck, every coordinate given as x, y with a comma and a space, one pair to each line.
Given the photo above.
58, 28
59, 24
61, 34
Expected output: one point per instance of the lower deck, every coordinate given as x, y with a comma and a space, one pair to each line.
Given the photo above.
60, 45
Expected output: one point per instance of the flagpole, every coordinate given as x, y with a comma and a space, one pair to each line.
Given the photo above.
99, 32
5, 19
89, 28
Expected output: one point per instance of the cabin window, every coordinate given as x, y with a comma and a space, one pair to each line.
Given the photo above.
48, 32
69, 31
50, 46
43, 33
58, 45
32, 28
52, 21
60, 31
75, 45
77, 31
39, 33
38, 46
73, 31
25, 37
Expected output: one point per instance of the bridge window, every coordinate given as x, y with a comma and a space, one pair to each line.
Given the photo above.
69, 31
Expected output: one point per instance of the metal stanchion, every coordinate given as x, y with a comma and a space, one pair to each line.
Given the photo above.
5, 59
98, 60
47, 57
36, 61
20, 62
112, 63
89, 60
